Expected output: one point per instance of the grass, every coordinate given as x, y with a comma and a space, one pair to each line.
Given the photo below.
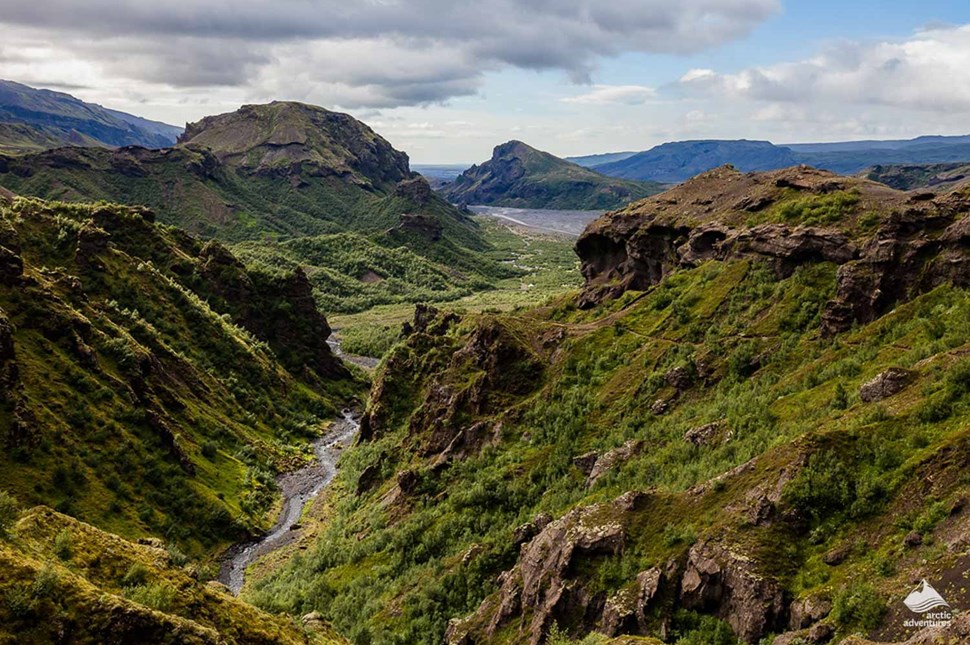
762, 370
548, 269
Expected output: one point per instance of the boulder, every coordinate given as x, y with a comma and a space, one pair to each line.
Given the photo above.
707, 434
886, 384
614, 458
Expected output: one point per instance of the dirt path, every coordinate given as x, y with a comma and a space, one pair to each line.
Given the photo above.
298, 488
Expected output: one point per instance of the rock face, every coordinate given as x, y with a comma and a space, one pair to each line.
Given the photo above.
280, 311
727, 583
918, 244
540, 580
886, 384
520, 176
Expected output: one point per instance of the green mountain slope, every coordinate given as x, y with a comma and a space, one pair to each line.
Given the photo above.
521, 176
758, 424
32, 119
276, 172
66, 580
152, 385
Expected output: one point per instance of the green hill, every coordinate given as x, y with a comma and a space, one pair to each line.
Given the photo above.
152, 385
757, 423
520, 176
276, 172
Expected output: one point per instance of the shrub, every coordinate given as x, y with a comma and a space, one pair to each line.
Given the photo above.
9, 512
63, 544
135, 576
210, 449
157, 596
45, 582
858, 606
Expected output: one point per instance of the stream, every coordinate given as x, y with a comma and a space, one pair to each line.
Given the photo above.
297, 487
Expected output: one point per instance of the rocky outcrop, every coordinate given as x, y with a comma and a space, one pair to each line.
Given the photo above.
425, 225
886, 384
416, 190
917, 246
707, 434
280, 311
724, 581
541, 582
614, 458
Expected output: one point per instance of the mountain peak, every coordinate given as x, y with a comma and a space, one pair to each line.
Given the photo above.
284, 136
519, 175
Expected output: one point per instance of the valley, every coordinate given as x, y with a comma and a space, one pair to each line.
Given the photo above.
265, 385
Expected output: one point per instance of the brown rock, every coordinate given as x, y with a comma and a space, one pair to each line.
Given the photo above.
913, 539
808, 611
886, 384
585, 462
707, 434
837, 555
726, 583
613, 458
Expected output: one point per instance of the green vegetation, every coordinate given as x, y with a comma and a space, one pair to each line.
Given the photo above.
9, 512
858, 606
112, 590
384, 572
545, 267
135, 399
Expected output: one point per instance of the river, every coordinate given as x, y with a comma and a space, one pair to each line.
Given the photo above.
298, 488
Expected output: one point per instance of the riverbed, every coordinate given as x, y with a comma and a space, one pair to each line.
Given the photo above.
297, 488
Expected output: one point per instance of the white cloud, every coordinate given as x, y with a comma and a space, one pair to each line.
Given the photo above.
614, 94
929, 72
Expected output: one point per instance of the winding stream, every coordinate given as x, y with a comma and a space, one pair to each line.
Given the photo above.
298, 488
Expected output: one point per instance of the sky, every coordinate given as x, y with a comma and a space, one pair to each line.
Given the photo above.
447, 80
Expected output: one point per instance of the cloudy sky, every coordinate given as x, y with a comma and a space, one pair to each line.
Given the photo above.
446, 80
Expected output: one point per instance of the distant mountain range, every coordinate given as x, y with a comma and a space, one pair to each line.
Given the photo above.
678, 161
33, 119
520, 176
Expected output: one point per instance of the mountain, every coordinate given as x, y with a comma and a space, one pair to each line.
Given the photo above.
150, 385
914, 176
678, 161
753, 422
591, 161
522, 177
32, 119
133, 356
277, 172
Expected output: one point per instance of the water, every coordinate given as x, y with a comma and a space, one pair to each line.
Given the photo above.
569, 223
298, 488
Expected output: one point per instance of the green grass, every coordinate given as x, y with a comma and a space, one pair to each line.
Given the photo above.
767, 375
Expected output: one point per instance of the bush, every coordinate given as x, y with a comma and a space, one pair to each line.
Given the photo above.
156, 596
45, 582
9, 512
135, 576
858, 606
63, 544
210, 449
